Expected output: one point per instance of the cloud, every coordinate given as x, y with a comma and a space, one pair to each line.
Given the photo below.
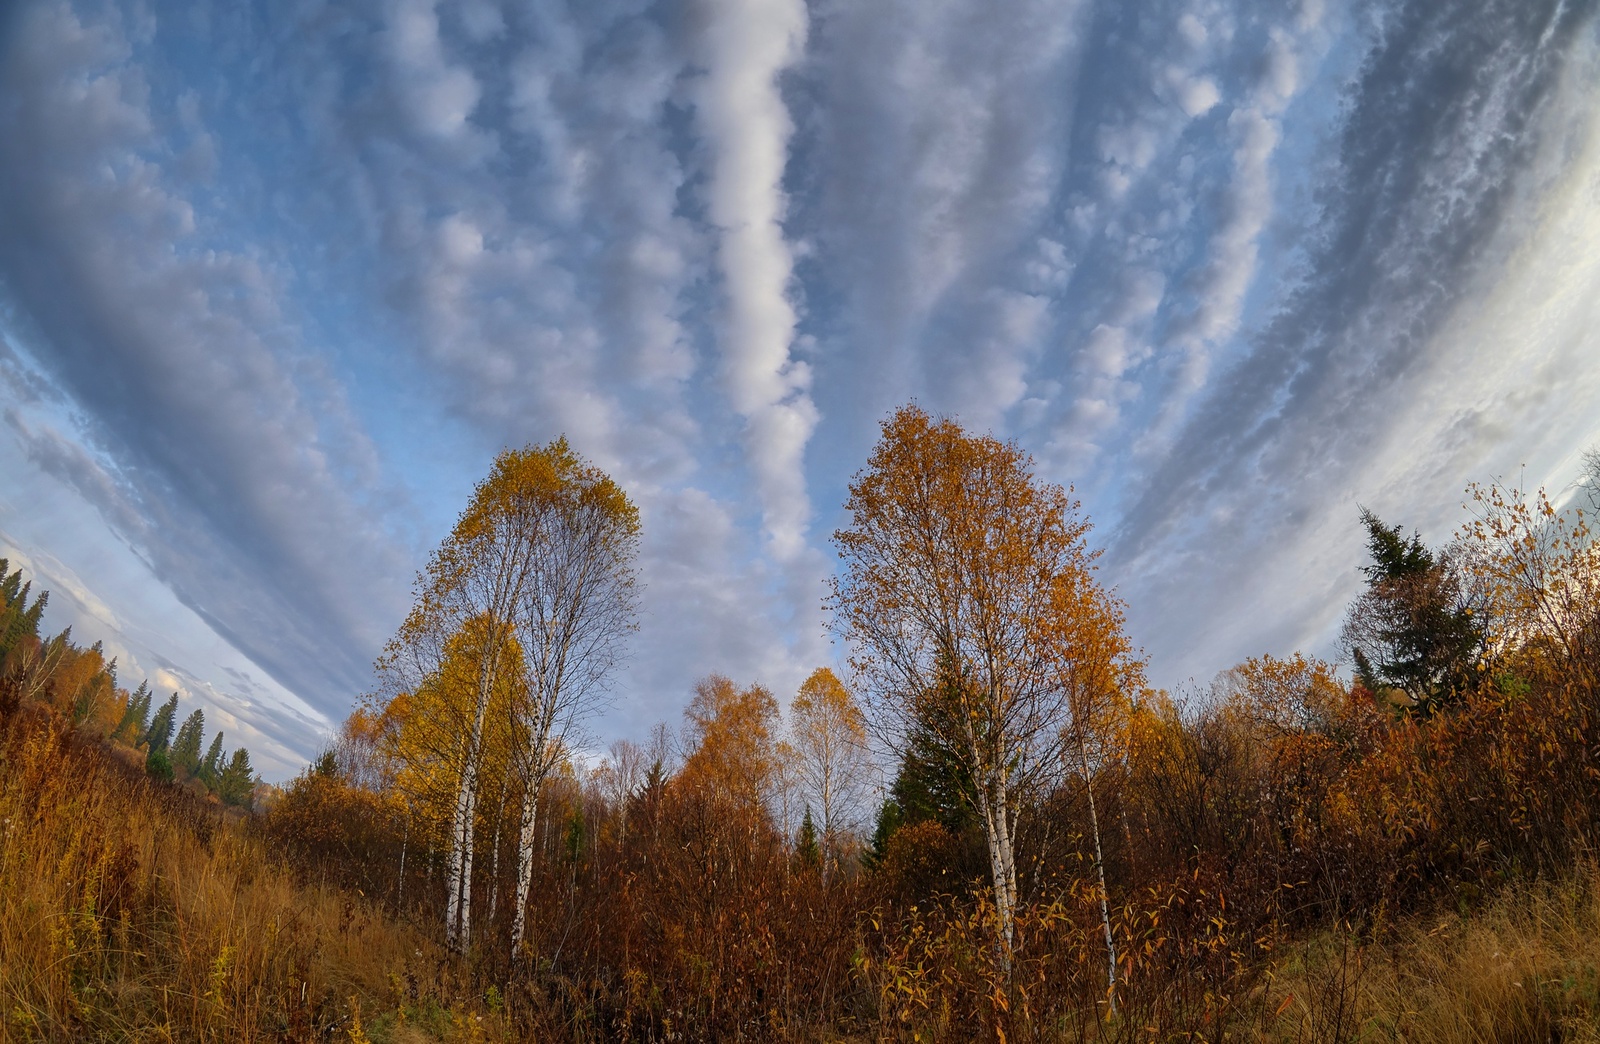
1422, 203
932, 154
746, 127
276, 289
220, 452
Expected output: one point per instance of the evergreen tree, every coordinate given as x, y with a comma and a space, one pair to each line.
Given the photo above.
237, 780
18, 619
186, 748
327, 764
806, 848
135, 716
1412, 630
158, 765
930, 785
159, 735
212, 763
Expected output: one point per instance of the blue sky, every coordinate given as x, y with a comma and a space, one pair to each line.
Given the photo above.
277, 281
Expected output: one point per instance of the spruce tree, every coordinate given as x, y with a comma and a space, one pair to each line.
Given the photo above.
806, 848
186, 748
158, 765
18, 619
237, 780
212, 763
1413, 629
159, 734
135, 716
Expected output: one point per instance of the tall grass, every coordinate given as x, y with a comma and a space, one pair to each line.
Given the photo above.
1526, 967
130, 910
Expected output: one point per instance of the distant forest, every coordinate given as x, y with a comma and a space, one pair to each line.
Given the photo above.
80, 685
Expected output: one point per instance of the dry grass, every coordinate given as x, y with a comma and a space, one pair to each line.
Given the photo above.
1525, 967
131, 911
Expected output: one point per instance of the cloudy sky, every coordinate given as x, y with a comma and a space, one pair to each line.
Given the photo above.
277, 281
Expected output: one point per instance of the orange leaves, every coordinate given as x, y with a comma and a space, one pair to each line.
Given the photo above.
732, 729
968, 598
1536, 572
828, 751
953, 557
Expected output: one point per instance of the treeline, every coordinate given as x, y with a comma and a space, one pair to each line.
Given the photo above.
1062, 852
80, 686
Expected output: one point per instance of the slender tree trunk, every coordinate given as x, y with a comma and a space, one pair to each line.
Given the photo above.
494, 864
458, 871
828, 801
405, 840
1003, 869
1100, 869
527, 838
458, 902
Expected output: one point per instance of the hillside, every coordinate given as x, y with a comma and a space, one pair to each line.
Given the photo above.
135, 912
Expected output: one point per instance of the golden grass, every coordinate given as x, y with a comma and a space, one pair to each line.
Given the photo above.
1525, 967
134, 912
130, 911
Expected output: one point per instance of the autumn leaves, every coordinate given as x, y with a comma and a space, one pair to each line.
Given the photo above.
967, 596
1061, 847
519, 617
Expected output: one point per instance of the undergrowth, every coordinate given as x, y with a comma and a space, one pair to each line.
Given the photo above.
133, 911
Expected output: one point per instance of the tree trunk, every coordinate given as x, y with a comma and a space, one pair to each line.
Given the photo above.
1100, 869
526, 840
1003, 869
458, 882
405, 840
458, 871
494, 863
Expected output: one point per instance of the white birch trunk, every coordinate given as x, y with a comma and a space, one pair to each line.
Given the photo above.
405, 842
1100, 870
458, 869
1003, 870
526, 840
494, 862
458, 878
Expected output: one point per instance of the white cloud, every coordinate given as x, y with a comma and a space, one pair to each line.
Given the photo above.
746, 46
439, 96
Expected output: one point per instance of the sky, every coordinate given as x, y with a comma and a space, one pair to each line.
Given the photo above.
278, 281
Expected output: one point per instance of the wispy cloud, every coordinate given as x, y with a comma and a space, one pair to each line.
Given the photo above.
276, 286
745, 47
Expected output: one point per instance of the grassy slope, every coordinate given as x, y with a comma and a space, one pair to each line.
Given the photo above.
1524, 967
133, 911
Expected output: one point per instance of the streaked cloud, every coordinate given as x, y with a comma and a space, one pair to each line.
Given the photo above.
275, 285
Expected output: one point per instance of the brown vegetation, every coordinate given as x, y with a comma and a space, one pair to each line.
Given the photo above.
134, 911
1285, 856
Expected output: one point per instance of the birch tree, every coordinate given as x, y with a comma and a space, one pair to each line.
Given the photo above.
828, 737
1097, 670
466, 608
518, 619
731, 736
445, 735
573, 616
954, 563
